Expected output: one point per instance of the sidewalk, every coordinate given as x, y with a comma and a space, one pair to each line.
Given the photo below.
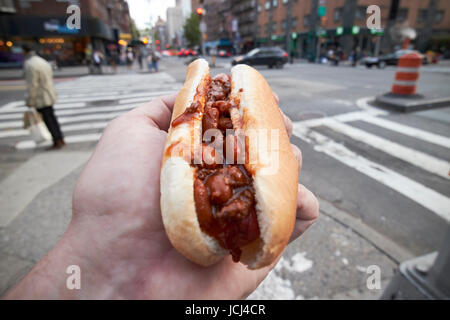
68, 72
329, 261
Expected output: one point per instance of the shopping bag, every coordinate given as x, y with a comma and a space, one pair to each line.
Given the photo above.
36, 126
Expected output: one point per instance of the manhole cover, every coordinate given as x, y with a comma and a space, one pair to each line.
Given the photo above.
99, 103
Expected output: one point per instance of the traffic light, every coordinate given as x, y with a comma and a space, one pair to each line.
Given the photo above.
200, 11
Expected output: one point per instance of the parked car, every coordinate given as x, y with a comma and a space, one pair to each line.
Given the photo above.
390, 59
271, 57
224, 53
187, 53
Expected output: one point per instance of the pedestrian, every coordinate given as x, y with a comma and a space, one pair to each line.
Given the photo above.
213, 53
139, 58
130, 58
41, 93
117, 235
155, 59
356, 56
98, 57
113, 59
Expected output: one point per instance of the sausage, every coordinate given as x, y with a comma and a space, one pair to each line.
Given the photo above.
210, 119
220, 190
238, 208
202, 204
225, 123
236, 178
223, 106
190, 112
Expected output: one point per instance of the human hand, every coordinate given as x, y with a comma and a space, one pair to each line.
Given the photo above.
117, 236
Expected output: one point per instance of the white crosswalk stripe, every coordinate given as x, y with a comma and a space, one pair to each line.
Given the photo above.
381, 172
86, 105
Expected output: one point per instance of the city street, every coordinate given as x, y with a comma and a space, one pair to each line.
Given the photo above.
382, 177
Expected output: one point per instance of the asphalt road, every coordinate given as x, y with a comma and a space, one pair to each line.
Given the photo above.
384, 170
392, 199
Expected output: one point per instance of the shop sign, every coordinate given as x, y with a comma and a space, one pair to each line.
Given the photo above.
54, 26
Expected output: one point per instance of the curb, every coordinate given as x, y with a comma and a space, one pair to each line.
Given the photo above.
388, 247
410, 104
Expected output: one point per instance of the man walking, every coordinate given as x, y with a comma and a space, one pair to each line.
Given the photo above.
41, 93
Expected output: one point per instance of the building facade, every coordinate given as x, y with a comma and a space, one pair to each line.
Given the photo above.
43, 25
344, 24
297, 26
175, 22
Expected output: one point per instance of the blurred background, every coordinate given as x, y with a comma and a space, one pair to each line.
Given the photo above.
365, 82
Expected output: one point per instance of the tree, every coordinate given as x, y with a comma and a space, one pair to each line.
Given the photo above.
192, 30
134, 31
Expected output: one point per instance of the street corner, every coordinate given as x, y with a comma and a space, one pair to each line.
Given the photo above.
329, 261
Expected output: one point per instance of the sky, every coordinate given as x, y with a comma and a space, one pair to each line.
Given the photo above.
142, 10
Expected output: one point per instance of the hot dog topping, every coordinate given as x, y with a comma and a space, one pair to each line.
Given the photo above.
223, 190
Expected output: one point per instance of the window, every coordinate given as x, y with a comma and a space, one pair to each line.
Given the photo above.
267, 5
285, 1
271, 27
306, 19
337, 14
360, 13
293, 24
422, 15
259, 8
274, 3
439, 16
402, 14
7, 6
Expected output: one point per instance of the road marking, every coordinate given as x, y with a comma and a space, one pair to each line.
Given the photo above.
61, 120
417, 158
363, 103
417, 192
11, 105
30, 144
65, 128
384, 123
409, 131
41, 171
79, 111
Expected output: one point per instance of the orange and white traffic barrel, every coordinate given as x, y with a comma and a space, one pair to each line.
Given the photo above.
407, 75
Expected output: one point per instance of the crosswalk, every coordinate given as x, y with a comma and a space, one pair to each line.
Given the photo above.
86, 105
343, 125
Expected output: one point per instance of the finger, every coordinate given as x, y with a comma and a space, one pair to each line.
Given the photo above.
287, 124
276, 97
159, 111
298, 155
307, 211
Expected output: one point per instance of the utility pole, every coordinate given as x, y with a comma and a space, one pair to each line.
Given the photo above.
270, 23
288, 26
201, 12
348, 20
427, 31
393, 11
313, 38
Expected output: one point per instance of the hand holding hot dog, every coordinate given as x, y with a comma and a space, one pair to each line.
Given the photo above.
117, 236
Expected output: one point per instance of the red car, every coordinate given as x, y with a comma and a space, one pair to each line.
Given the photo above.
187, 53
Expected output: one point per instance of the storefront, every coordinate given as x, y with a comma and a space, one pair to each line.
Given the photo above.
51, 38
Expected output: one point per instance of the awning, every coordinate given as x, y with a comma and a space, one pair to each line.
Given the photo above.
51, 26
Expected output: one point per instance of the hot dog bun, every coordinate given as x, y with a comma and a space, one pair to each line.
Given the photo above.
275, 190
